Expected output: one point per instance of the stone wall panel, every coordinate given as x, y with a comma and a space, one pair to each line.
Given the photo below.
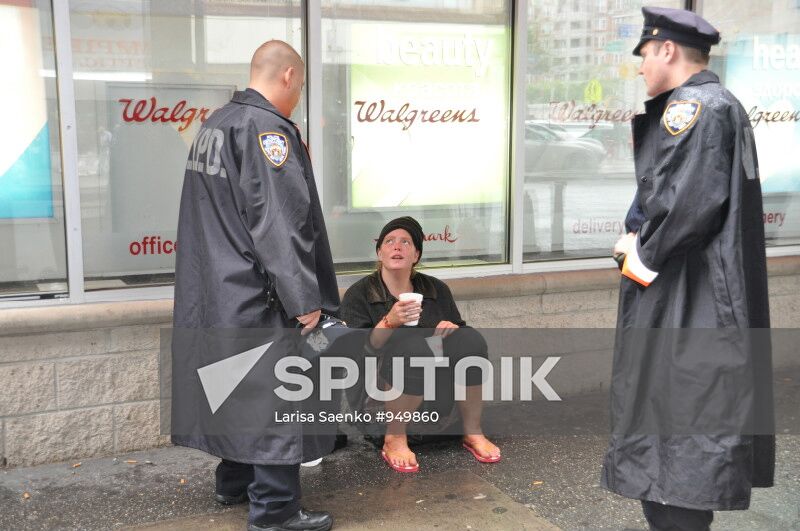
58, 436
27, 388
128, 377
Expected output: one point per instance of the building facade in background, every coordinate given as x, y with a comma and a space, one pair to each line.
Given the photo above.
508, 138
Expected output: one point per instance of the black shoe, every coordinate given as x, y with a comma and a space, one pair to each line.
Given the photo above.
226, 499
340, 441
301, 521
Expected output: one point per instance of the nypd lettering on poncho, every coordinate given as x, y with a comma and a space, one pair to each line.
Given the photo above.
275, 147
680, 115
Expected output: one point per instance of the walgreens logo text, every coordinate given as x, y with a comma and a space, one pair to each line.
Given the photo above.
149, 110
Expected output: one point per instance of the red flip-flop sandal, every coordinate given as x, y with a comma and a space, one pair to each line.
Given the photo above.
478, 456
396, 468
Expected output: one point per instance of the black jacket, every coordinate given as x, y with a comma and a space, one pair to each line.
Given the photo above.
692, 362
244, 220
250, 218
368, 300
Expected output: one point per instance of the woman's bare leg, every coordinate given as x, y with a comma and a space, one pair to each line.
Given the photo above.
471, 410
395, 442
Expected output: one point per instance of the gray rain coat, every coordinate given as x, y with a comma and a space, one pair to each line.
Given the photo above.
691, 395
253, 253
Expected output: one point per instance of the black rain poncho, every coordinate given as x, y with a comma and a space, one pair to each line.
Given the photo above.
250, 218
691, 396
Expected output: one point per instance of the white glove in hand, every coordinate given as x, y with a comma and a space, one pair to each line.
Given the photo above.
625, 243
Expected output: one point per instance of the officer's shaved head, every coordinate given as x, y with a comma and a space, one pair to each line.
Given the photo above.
272, 59
277, 72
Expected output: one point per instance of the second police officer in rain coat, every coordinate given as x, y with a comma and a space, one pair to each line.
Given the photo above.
691, 397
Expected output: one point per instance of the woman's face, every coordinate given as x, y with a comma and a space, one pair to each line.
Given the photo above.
397, 251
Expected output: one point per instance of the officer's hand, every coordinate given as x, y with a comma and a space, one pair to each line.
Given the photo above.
625, 243
309, 321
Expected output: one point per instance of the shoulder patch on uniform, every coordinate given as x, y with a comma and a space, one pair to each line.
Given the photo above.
275, 147
680, 115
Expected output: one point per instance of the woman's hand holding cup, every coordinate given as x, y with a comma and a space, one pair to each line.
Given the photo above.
406, 310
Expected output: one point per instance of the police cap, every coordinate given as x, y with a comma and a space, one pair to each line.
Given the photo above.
678, 25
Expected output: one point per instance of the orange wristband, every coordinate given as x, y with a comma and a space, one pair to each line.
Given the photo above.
386, 322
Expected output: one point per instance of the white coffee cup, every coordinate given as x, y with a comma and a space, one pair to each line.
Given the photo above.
416, 297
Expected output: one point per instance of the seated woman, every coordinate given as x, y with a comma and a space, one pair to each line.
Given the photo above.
372, 302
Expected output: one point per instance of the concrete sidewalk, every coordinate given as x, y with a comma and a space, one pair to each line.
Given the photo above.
542, 483
447, 500
547, 481
170, 488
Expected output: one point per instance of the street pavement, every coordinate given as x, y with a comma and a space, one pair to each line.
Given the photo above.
545, 481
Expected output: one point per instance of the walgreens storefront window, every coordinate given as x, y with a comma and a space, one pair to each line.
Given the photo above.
33, 260
147, 74
416, 112
759, 61
583, 90
582, 93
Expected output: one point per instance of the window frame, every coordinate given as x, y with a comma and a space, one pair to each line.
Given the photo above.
312, 22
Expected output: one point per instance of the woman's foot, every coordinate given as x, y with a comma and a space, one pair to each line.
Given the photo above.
398, 455
482, 448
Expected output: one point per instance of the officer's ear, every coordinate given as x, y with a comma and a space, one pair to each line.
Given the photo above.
669, 50
288, 75
294, 79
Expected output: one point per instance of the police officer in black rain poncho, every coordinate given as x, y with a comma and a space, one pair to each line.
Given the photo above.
253, 260
691, 396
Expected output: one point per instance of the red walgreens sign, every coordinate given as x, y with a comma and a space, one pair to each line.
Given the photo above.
149, 110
